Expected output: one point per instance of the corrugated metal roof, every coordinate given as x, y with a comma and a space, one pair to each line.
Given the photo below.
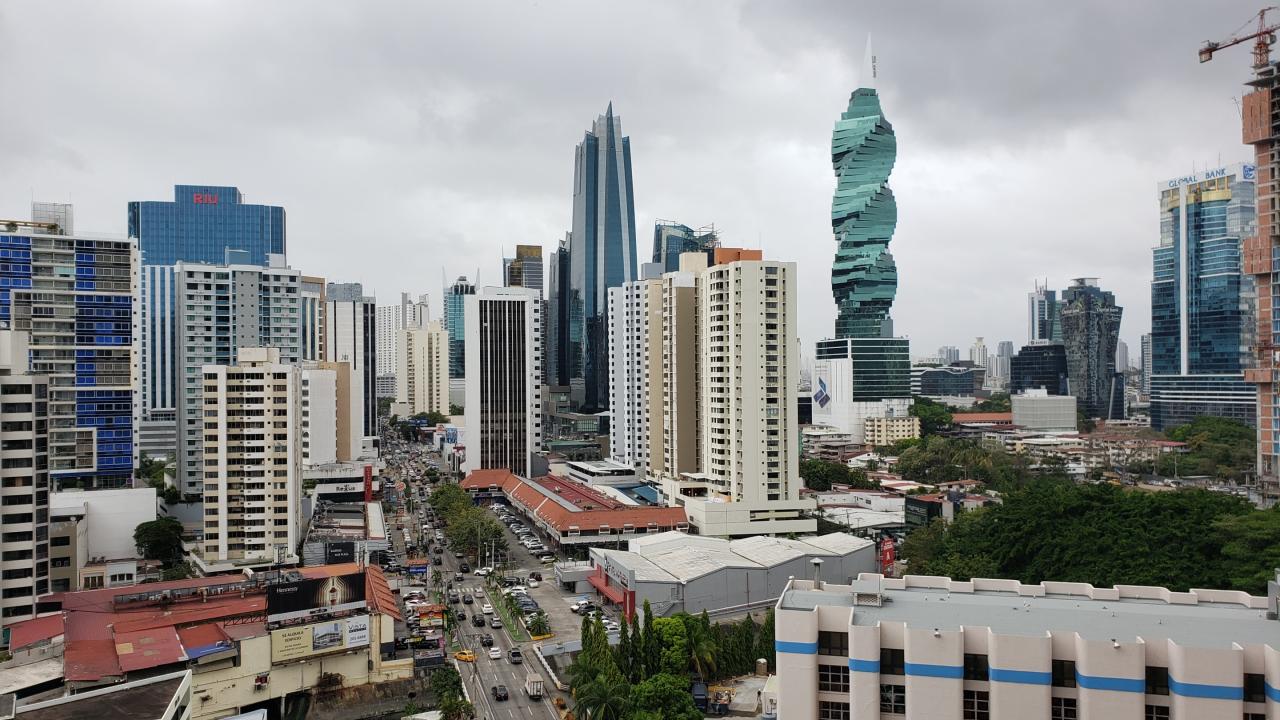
34, 630
148, 648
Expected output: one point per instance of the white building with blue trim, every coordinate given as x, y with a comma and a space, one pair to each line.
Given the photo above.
938, 649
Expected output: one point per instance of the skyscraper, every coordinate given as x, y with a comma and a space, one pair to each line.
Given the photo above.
23, 454
75, 296
949, 354
1147, 361
1043, 315
455, 324
525, 269
671, 239
602, 255
226, 307
978, 352
1202, 322
1039, 366
204, 224
406, 314
504, 378
351, 336
422, 369
557, 319
1090, 329
864, 214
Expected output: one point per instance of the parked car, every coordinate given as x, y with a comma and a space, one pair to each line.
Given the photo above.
499, 692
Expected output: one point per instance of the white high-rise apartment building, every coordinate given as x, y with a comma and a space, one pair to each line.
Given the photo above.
350, 336
24, 470
931, 647
635, 322
226, 308
743, 377
312, 312
978, 353
252, 470
503, 334
332, 414
422, 369
391, 320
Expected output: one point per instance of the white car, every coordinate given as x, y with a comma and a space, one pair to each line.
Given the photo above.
533, 583
610, 625
486, 609
484, 571
495, 653
518, 589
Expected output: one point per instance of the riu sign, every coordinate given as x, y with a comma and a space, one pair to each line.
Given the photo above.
204, 198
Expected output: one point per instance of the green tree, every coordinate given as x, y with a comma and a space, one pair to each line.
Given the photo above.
638, 670
674, 656
159, 539
1250, 548
537, 624
455, 409
471, 528
622, 653
448, 499
997, 403
455, 708
820, 475
934, 416
179, 571
667, 696
652, 644
701, 647
764, 642
607, 697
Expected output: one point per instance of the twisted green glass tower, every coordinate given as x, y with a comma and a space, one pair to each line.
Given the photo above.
864, 277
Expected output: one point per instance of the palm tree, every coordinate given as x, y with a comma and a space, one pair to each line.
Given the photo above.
608, 697
702, 654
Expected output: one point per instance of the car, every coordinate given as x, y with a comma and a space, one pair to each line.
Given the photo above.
487, 609
514, 656
477, 620
499, 692
465, 656
495, 653
454, 597
533, 583
547, 559
437, 561
611, 625
535, 576
459, 616
457, 577
495, 623
515, 590
467, 599
437, 550
464, 568
486, 640
483, 572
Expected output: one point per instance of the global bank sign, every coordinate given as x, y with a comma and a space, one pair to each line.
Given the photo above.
1244, 171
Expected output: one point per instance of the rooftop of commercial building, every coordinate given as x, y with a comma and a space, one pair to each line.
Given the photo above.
982, 418
676, 556
570, 505
1202, 618
148, 698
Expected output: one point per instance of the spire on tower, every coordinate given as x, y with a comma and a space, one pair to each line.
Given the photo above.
868, 79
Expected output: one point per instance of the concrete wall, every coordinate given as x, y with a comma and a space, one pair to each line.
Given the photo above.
112, 516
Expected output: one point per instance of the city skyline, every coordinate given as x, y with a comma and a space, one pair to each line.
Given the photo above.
763, 177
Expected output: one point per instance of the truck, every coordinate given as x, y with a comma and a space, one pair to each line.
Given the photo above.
533, 685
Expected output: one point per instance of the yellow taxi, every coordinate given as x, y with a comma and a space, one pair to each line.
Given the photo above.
465, 656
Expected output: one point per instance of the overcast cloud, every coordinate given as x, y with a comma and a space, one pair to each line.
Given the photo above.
413, 140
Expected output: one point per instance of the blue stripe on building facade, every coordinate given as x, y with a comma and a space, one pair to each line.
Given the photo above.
1021, 677
1094, 682
1209, 692
796, 648
866, 666
954, 672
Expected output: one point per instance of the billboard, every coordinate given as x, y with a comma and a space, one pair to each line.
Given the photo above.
339, 552
302, 641
315, 598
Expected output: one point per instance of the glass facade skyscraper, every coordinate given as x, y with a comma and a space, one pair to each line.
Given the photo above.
1090, 329
1202, 322
1039, 366
1043, 315
454, 322
881, 366
864, 278
670, 239
602, 255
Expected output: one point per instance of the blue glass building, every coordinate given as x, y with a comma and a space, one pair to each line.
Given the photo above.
602, 255
203, 224
455, 297
1202, 322
77, 305
671, 239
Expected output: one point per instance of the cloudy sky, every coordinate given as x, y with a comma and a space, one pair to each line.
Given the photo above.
419, 139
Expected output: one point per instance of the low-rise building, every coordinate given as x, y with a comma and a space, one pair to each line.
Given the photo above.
571, 515
886, 431
1036, 409
945, 649
677, 572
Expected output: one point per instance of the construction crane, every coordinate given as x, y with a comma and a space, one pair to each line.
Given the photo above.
1265, 36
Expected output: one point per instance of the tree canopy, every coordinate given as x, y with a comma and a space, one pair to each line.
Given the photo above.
934, 416
822, 474
159, 539
1105, 535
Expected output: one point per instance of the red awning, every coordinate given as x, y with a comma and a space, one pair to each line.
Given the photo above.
609, 591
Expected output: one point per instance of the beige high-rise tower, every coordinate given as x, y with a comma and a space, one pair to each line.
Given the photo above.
422, 369
252, 458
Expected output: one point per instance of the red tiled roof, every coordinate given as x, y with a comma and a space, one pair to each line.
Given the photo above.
994, 417
148, 648
605, 511
34, 630
378, 593
200, 640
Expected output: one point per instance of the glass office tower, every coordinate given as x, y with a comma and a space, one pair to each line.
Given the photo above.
1090, 329
602, 255
454, 322
1202, 320
670, 239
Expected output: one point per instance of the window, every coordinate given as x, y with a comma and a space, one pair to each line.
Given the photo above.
892, 662
1255, 716
1064, 673
1063, 708
833, 643
1157, 681
833, 710
833, 678
977, 703
1157, 712
60, 541
975, 667
1255, 688
893, 698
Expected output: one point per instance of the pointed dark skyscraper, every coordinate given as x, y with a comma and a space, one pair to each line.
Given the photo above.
602, 254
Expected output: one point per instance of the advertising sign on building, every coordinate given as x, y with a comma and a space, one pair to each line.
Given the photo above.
315, 598
888, 556
303, 641
339, 552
